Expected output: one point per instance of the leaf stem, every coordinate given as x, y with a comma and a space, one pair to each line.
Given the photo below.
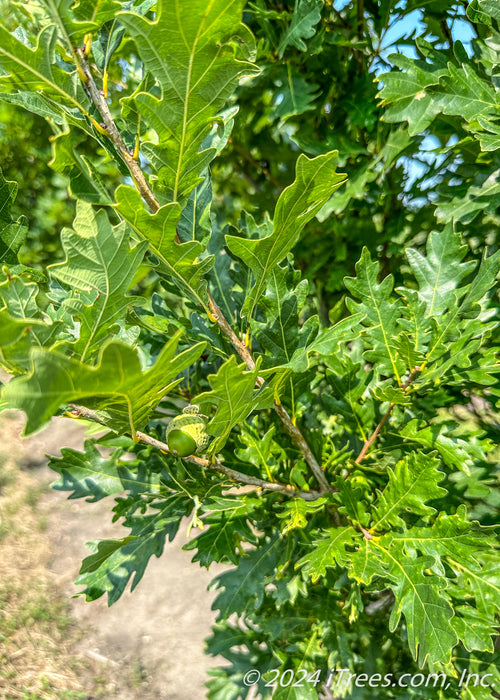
232, 474
368, 443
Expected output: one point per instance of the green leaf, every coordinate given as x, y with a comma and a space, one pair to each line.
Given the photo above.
450, 538
12, 329
483, 11
117, 386
85, 180
289, 344
190, 49
98, 258
412, 483
296, 94
428, 614
381, 314
464, 93
464, 328
229, 522
306, 15
90, 476
75, 19
455, 452
474, 629
12, 233
425, 89
114, 562
195, 223
95, 13
111, 35
315, 181
243, 588
406, 93
330, 340
420, 597
279, 334
350, 394
221, 277
24, 326
178, 260
28, 71
477, 199
235, 396
441, 270
352, 501
481, 583
295, 511
488, 133
329, 551
20, 297
386, 392
301, 692
259, 449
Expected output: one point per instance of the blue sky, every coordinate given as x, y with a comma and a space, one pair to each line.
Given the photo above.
402, 28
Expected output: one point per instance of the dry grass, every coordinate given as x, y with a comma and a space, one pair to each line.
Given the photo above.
38, 637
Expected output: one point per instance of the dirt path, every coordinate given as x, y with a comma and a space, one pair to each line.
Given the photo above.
149, 644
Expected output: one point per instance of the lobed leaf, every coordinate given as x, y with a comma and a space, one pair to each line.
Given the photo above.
412, 483
114, 562
329, 551
98, 259
178, 260
93, 477
28, 71
306, 15
117, 386
243, 588
190, 49
12, 233
234, 395
316, 179
441, 270
381, 313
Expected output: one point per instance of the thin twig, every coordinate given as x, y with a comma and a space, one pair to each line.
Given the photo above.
146, 193
300, 441
373, 436
112, 131
360, 17
225, 327
235, 475
239, 477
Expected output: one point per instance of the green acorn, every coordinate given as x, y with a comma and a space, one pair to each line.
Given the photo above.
186, 434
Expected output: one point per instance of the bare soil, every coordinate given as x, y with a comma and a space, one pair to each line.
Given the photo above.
149, 644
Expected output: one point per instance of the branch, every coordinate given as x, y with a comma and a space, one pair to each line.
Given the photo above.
373, 436
146, 193
239, 477
292, 430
